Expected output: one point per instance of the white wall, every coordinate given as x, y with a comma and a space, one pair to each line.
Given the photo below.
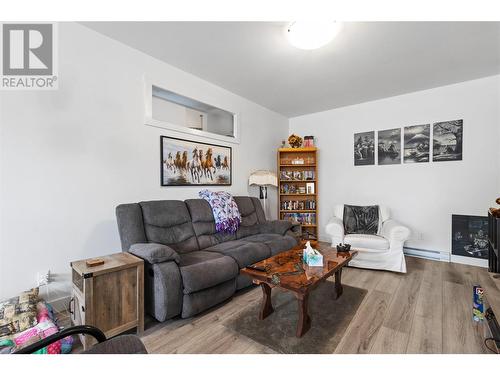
423, 196
68, 157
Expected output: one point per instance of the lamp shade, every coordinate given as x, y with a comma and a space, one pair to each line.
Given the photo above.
263, 178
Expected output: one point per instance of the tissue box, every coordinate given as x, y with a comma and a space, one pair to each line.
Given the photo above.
313, 259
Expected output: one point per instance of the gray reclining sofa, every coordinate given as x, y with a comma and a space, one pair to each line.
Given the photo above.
189, 267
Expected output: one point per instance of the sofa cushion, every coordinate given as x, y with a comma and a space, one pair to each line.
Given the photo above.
204, 269
243, 252
204, 224
276, 242
249, 217
197, 302
367, 241
169, 223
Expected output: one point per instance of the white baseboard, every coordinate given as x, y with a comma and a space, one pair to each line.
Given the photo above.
427, 254
470, 261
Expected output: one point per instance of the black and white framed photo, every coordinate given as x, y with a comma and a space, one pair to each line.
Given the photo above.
364, 148
469, 236
189, 163
416, 143
389, 146
447, 138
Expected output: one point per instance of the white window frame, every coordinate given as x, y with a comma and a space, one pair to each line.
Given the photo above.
150, 121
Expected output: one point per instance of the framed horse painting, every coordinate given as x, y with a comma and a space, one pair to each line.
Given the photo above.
190, 163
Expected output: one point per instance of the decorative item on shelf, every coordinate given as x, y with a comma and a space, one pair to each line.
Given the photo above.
495, 211
298, 161
283, 143
343, 247
310, 188
309, 141
263, 179
312, 257
295, 141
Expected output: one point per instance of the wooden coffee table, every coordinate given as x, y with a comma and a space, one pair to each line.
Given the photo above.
287, 272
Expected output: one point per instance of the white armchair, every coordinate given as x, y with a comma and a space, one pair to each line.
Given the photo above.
382, 251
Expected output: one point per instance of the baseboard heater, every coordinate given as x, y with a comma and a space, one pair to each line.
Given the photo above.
426, 254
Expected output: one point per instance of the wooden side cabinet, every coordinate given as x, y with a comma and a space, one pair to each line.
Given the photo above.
109, 296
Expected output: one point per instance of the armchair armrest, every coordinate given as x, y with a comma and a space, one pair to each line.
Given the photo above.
394, 231
335, 228
154, 252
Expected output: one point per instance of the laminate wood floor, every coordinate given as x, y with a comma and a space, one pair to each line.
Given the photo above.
427, 310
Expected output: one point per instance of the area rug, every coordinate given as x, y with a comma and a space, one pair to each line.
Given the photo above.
330, 319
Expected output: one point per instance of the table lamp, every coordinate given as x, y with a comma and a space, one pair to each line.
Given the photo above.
263, 179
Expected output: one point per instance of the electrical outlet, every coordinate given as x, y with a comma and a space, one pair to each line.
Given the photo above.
416, 236
42, 278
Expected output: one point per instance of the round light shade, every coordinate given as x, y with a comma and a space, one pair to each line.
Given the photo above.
263, 178
312, 34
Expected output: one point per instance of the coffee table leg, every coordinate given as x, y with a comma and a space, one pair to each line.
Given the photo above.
304, 319
267, 306
338, 284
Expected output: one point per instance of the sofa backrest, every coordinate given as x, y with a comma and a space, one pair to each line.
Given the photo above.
204, 224
184, 226
252, 215
167, 222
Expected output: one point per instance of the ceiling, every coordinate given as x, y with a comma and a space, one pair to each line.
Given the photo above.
366, 61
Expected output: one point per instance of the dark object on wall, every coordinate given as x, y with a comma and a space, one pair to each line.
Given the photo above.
189, 163
416, 142
361, 219
364, 148
389, 146
294, 141
447, 140
469, 236
494, 241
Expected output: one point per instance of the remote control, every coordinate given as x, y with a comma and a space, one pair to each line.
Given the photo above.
258, 268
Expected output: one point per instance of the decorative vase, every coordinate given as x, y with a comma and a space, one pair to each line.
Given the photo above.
295, 141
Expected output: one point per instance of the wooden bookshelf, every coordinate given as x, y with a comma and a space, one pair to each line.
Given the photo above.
298, 172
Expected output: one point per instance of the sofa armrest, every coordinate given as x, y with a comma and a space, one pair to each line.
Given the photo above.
154, 252
277, 226
335, 228
394, 231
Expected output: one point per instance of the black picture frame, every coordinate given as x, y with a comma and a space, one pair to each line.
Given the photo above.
364, 148
186, 177
466, 240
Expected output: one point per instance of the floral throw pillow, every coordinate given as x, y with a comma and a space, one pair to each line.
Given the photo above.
18, 313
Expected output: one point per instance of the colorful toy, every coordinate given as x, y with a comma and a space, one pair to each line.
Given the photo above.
477, 303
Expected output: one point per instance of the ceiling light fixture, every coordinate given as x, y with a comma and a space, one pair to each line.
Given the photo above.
312, 34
